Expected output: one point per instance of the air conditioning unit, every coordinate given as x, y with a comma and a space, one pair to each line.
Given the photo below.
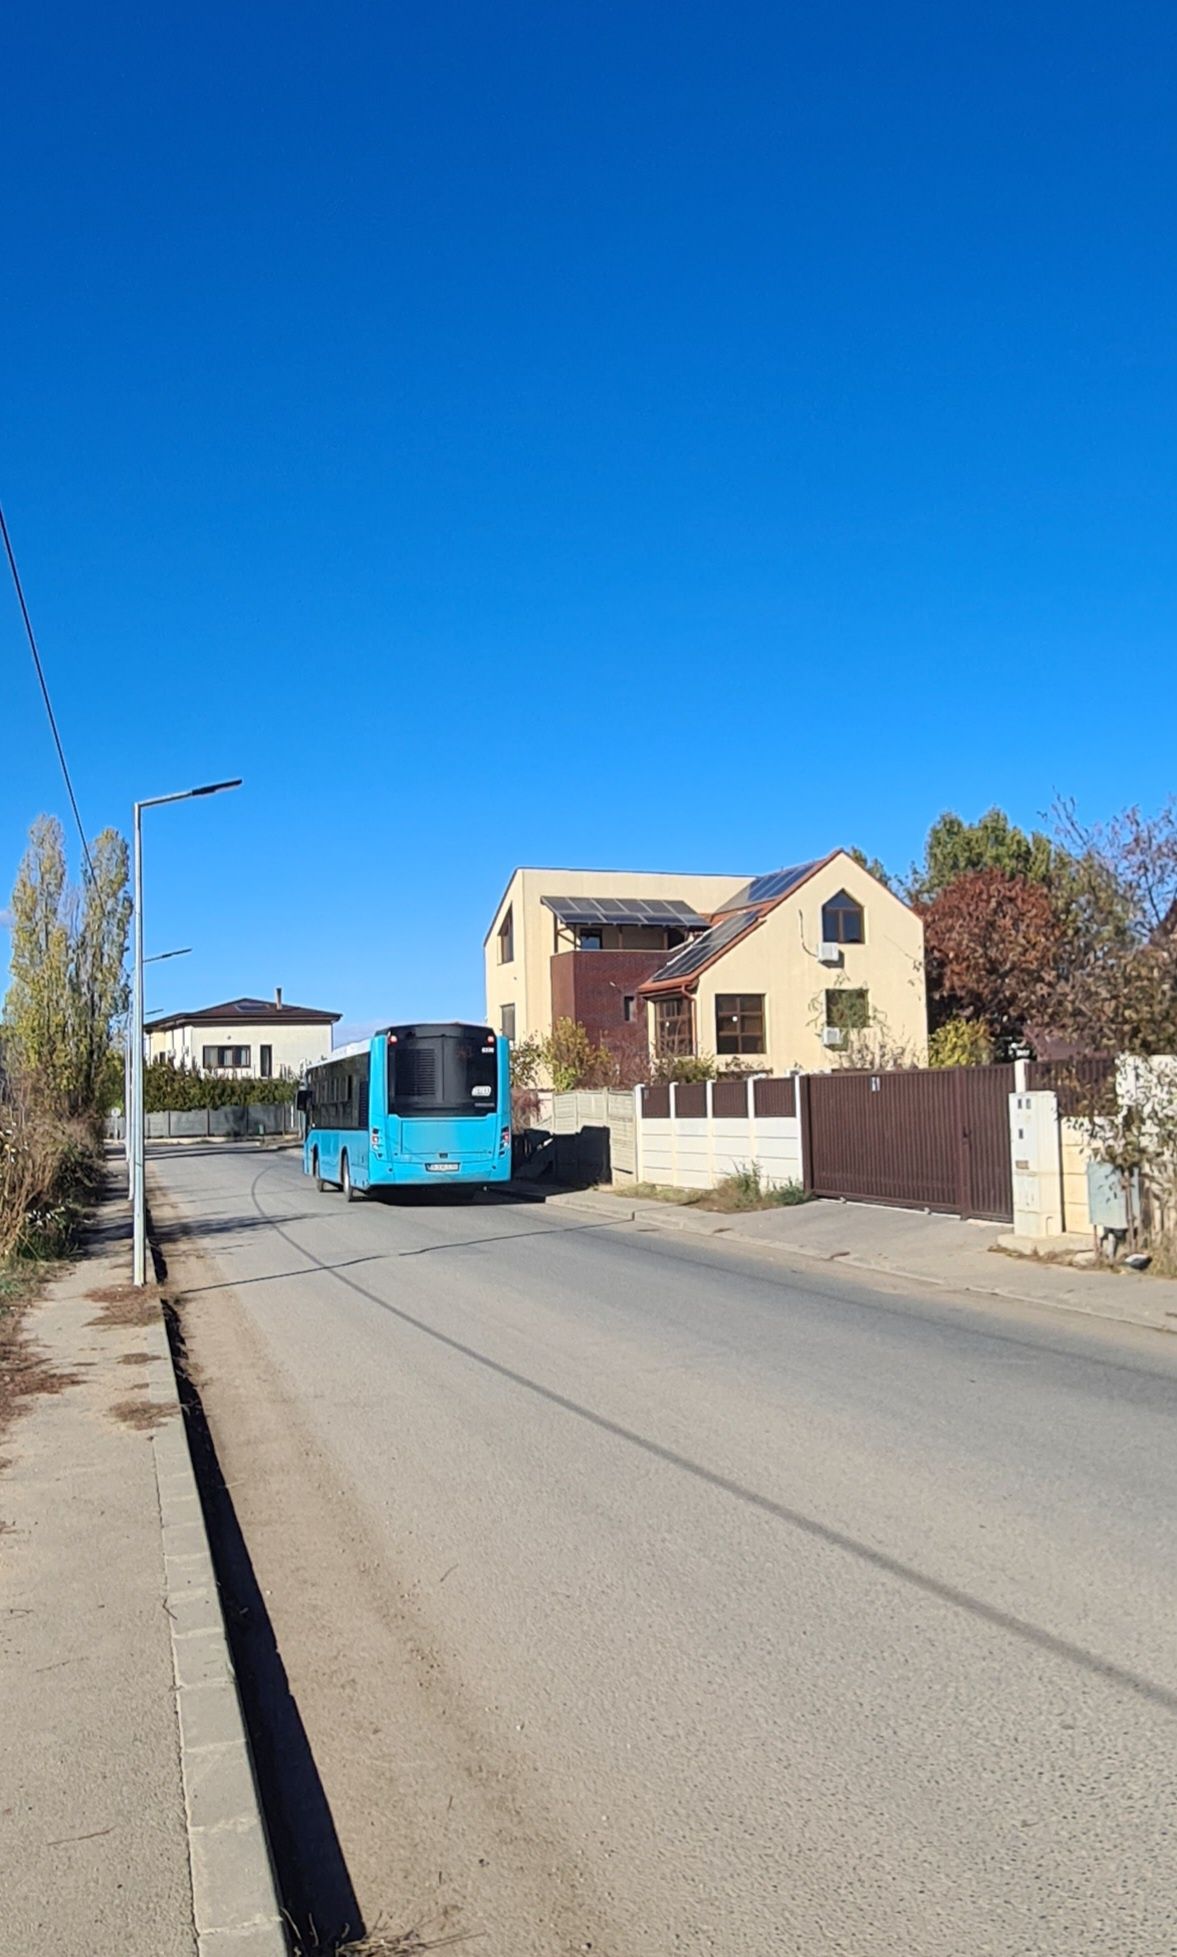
828, 953
832, 1036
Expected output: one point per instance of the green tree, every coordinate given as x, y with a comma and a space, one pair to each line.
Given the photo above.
98, 981
955, 848
37, 1006
995, 945
527, 1059
960, 1043
68, 985
873, 867
572, 1059
1118, 990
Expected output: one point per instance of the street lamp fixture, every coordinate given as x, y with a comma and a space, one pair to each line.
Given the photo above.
138, 1123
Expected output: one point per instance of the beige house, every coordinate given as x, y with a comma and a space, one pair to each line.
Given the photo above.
799, 968
578, 944
259, 1039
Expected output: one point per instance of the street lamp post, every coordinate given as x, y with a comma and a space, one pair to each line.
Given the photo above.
156, 958
138, 1192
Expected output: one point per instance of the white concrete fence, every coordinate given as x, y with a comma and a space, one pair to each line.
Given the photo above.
693, 1146
690, 1136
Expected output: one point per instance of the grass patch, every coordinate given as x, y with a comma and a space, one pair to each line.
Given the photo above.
745, 1189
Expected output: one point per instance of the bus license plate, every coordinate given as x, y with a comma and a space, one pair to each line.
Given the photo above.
442, 1168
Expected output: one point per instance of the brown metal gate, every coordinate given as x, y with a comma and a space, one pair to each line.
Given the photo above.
934, 1140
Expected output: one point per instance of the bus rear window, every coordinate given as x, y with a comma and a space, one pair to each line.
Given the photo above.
444, 1072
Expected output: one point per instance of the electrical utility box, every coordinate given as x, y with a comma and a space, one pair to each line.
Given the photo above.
1037, 1172
1112, 1202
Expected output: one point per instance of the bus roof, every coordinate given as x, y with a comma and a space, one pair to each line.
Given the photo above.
355, 1047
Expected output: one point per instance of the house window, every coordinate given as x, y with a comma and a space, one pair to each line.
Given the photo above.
848, 1009
265, 1065
507, 1021
223, 1059
629, 1005
739, 1022
842, 921
673, 1028
589, 941
507, 937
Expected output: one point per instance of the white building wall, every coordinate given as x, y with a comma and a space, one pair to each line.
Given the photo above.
294, 1047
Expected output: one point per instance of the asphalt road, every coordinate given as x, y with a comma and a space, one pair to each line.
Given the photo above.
643, 1596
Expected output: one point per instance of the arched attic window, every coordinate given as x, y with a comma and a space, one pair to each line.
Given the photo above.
843, 921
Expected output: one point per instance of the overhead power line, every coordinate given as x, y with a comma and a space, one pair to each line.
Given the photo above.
32, 639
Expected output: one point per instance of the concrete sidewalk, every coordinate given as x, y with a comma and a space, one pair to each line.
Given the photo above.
944, 1251
130, 1819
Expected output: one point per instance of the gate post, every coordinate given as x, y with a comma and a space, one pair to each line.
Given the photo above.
709, 1111
806, 1120
963, 1164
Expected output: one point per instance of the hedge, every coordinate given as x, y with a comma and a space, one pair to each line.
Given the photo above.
168, 1089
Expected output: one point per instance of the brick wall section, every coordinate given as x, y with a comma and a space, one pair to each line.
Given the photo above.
590, 985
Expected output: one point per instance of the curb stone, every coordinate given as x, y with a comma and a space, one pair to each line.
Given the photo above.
647, 1218
234, 1894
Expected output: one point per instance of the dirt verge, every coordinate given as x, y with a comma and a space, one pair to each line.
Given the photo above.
25, 1372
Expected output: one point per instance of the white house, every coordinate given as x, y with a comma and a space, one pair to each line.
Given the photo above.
261, 1039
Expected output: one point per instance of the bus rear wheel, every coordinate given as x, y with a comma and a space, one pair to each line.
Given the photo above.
345, 1181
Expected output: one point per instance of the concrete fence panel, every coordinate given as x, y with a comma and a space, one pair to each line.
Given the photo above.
224, 1124
692, 1135
622, 1125
188, 1122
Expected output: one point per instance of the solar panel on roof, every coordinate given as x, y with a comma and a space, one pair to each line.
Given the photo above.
689, 958
774, 883
625, 910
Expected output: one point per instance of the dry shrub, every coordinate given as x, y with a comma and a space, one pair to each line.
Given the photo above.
49, 1170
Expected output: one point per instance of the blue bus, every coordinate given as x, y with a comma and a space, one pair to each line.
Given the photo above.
425, 1105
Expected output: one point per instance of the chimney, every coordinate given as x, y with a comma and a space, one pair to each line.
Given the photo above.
278, 996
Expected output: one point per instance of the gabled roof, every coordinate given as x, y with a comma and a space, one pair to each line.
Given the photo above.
775, 885
250, 1012
746, 910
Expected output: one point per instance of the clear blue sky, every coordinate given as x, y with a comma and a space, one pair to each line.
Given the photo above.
620, 434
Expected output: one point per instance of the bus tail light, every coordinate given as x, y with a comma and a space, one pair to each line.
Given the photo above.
505, 1139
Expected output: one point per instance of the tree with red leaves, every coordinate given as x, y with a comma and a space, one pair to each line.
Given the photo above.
994, 946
